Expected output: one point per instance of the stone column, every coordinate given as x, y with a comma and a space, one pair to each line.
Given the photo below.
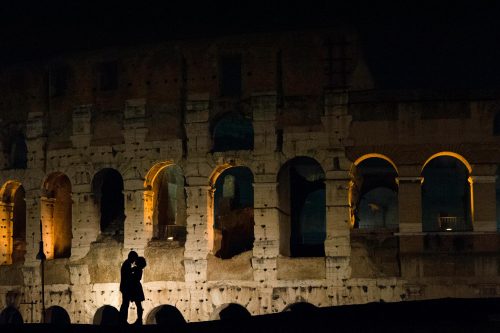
484, 203
197, 124
47, 218
86, 226
6, 230
82, 116
264, 118
337, 243
266, 231
410, 204
199, 226
134, 125
33, 218
135, 236
36, 140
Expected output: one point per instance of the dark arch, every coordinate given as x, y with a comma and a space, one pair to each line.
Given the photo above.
10, 315
376, 195
106, 315
18, 152
58, 187
233, 212
57, 315
169, 204
107, 187
232, 131
302, 202
446, 197
231, 312
166, 315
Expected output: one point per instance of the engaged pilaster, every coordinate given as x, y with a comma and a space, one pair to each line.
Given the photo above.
266, 231
484, 203
337, 243
410, 204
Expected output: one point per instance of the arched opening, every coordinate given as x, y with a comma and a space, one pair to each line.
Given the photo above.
446, 194
302, 202
233, 212
57, 315
12, 222
10, 316
106, 315
57, 216
374, 194
230, 311
18, 157
232, 132
166, 315
107, 187
169, 204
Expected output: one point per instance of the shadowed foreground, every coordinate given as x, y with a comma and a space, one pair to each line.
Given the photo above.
444, 315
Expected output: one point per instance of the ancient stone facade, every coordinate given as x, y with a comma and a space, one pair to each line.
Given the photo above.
119, 149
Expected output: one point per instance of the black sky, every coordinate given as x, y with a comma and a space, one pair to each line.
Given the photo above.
424, 44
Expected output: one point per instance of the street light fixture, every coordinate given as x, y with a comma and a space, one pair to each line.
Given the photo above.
42, 257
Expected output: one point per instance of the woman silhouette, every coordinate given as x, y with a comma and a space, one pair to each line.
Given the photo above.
136, 292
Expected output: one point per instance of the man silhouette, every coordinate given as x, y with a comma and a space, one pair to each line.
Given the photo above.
125, 283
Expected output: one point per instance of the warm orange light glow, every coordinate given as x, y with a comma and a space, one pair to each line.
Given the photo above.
154, 172
352, 183
375, 155
469, 179
7, 193
452, 154
471, 200
217, 172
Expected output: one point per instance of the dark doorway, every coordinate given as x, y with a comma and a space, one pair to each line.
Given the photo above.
233, 132
233, 212
446, 199
376, 200
107, 187
303, 203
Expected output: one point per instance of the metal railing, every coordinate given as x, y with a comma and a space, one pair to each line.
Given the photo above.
453, 223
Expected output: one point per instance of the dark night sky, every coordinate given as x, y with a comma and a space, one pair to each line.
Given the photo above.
424, 44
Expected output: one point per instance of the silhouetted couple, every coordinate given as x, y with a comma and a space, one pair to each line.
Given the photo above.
131, 287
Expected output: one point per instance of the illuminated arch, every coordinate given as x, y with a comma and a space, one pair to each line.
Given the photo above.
375, 155
218, 171
453, 191
13, 213
231, 219
154, 171
452, 154
56, 215
165, 202
8, 191
372, 196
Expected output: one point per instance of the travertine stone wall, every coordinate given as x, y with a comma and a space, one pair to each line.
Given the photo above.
160, 118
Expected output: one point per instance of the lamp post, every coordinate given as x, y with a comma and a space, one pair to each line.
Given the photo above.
41, 256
